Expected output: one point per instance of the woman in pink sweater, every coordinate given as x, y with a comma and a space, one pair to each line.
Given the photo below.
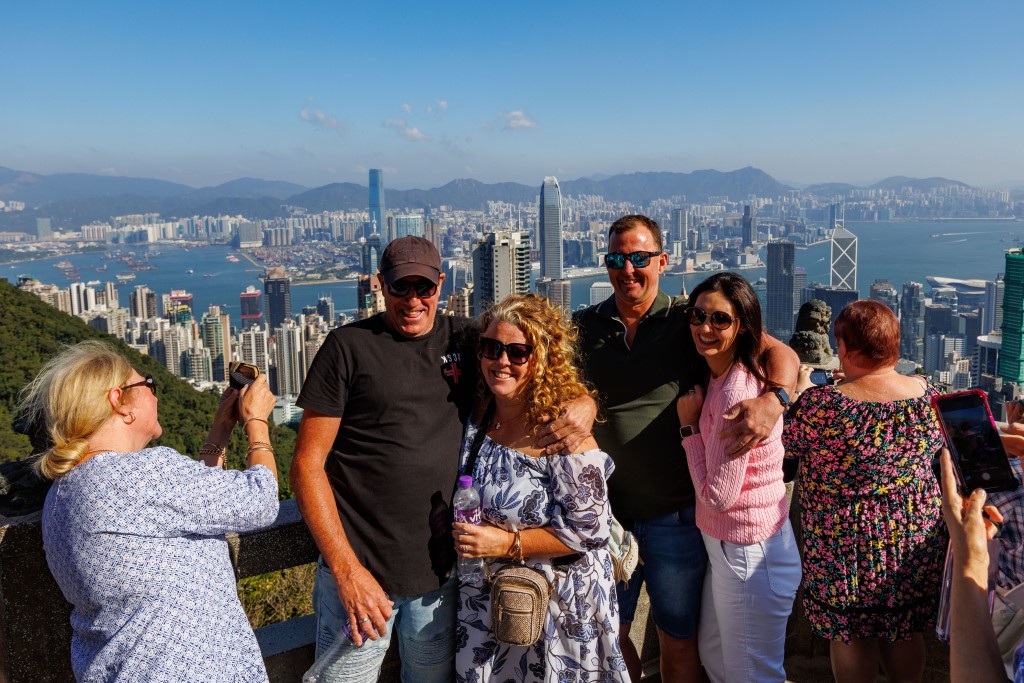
742, 510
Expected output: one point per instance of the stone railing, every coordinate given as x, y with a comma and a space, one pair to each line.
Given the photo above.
35, 629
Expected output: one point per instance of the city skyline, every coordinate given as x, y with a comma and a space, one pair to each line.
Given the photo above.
319, 93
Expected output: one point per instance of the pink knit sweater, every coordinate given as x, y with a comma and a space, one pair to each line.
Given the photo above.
739, 500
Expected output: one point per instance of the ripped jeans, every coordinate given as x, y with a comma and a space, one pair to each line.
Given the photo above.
424, 624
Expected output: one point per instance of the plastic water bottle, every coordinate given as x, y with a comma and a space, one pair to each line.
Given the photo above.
318, 672
467, 510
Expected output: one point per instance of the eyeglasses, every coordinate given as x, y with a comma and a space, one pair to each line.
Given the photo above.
639, 259
720, 320
401, 288
518, 354
149, 382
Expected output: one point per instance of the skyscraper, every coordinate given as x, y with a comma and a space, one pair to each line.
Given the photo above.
885, 293
216, 335
252, 306
1011, 355
992, 319
549, 232
843, 273
912, 322
278, 288
325, 309
411, 224
252, 347
371, 249
782, 292
501, 266
143, 302
749, 227
679, 225
377, 209
290, 352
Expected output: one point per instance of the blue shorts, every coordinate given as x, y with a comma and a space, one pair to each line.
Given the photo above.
673, 560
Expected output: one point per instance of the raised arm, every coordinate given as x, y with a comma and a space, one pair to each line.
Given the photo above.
360, 593
755, 418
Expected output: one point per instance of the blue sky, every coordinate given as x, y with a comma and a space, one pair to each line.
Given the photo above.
318, 92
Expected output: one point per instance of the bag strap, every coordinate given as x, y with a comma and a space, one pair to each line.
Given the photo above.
478, 439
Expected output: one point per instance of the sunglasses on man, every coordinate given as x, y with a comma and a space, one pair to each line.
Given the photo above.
401, 288
720, 320
639, 259
518, 354
149, 382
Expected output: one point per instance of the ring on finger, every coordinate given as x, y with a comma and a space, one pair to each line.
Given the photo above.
364, 620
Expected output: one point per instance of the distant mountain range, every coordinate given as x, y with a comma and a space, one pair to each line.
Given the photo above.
73, 199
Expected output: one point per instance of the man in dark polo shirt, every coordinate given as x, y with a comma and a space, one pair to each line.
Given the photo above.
378, 447
639, 354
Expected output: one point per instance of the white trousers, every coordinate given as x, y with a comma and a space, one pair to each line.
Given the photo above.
747, 599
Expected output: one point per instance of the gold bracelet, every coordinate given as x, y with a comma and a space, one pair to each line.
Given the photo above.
258, 448
260, 443
516, 551
255, 419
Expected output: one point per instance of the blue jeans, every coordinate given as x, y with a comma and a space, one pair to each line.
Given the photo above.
425, 625
673, 564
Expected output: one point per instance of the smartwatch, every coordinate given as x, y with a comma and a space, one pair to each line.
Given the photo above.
688, 430
783, 397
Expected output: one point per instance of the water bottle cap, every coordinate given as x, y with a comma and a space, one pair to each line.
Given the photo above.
465, 482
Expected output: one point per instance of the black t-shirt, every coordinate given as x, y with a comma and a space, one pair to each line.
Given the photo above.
402, 403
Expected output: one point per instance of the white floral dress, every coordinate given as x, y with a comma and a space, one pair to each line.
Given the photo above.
581, 636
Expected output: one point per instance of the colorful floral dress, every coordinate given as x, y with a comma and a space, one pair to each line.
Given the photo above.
870, 511
580, 641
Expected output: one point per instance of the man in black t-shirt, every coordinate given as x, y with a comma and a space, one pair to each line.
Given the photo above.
376, 457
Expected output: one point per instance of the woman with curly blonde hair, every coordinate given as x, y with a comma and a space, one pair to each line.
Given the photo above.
550, 513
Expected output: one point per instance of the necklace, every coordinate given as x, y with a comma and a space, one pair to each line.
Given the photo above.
498, 423
97, 450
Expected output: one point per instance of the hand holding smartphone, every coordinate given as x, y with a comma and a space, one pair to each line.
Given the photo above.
241, 374
973, 441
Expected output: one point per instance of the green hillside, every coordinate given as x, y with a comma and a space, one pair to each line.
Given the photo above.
31, 332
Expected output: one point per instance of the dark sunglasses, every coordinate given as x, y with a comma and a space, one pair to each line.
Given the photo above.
518, 354
639, 259
720, 320
149, 382
401, 288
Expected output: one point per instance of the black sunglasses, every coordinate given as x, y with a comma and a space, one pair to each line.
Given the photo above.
149, 382
518, 354
401, 288
720, 320
639, 259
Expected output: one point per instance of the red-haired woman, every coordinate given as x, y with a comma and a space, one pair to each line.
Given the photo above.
869, 503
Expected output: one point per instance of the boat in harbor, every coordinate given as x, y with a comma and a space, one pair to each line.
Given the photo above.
125, 277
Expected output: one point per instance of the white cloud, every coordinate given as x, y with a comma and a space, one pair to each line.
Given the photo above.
403, 129
517, 120
317, 117
406, 107
442, 105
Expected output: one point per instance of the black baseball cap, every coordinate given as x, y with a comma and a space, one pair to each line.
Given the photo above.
408, 256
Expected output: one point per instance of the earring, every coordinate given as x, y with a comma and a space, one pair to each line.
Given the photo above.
129, 415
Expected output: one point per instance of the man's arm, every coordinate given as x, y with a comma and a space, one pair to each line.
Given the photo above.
756, 417
566, 432
360, 593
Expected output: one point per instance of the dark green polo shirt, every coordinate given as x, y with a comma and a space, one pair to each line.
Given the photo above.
638, 387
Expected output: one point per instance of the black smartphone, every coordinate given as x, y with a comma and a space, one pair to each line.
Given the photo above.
240, 374
821, 377
973, 441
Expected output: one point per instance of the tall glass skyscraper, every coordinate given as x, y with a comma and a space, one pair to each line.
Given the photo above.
1011, 356
278, 288
782, 291
549, 233
377, 202
501, 267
